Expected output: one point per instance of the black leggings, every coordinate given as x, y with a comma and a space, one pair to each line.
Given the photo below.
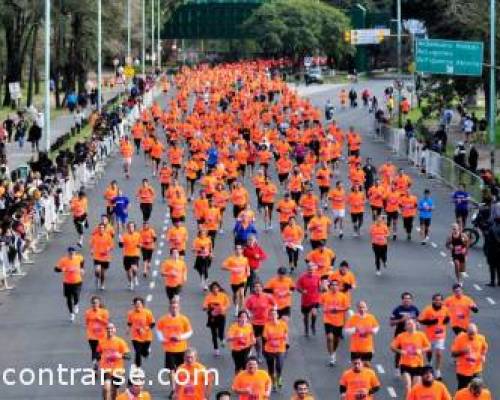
141, 350
274, 363
80, 222
146, 209
408, 224
217, 325
72, 294
93, 343
293, 256
202, 264
240, 359
380, 252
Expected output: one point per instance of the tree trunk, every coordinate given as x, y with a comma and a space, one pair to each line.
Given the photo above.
37, 80
29, 99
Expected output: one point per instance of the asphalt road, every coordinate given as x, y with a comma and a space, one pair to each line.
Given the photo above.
35, 331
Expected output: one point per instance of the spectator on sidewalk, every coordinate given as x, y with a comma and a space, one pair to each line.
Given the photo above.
460, 155
473, 159
21, 128
468, 128
34, 136
71, 101
9, 125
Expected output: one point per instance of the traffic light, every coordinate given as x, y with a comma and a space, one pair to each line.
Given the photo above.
347, 37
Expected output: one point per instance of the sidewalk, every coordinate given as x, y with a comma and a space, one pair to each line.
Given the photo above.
59, 126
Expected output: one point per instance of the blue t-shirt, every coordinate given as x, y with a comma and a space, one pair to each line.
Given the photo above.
461, 200
400, 311
121, 205
425, 206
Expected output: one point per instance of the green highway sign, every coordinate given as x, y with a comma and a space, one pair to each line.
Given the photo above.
449, 57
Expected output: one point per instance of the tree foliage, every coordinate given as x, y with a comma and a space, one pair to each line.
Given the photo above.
296, 28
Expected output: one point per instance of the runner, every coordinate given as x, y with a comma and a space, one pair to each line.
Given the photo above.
435, 318
241, 339
392, 208
112, 351
239, 270
308, 285
425, 208
79, 206
177, 237
127, 152
120, 205
255, 255
173, 331
362, 327
346, 279
174, 271
281, 288
216, 304
409, 205
203, 248
135, 388
96, 321
356, 201
287, 208
323, 258
211, 220
358, 382
475, 391
411, 346
376, 195
130, 242
165, 177
72, 267
146, 198
469, 350
301, 390
334, 304
267, 193
337, 199
220, 200
400, 315
461, 199
252, 382
292, 236
193, 380
275, 337
259, 305
140, 322
319, 228
157, 150
379, 233
102, 245
458, 243
110, 193
148, 242
460, 307
308, 204
429, 388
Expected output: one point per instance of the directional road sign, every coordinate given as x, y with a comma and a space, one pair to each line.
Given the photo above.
449, 57
368, 36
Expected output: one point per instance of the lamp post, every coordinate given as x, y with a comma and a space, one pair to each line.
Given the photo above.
46, 119
129, 34
400, 67
143, 39
493, 91
99, 55
153, 34
158, 51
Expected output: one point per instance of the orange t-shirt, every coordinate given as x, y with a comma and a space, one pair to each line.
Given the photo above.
102, 246
471, 363
334, 306
379, 234
148, 237
357, 383
112, 351
413, 344
202, 246
259, 384
96, 322
275, 335
318, 227
308, 205
239, 196
131, 243
174, 272
146, 194
337, 198
286, 209
293, 235
238, 268
436, 331
218, 303
140, 323
240, 337
195, 378
144, 395
437, 391
362, 339
171, 327
356, 202
465, 394
281, 289
177, 237
460, 310
71, 268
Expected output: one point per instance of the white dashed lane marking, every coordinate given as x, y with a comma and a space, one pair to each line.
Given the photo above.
155, 274
152, 284
149, 297
477, 287
392, 392
491, 301
443, 254
380, 369
434, 245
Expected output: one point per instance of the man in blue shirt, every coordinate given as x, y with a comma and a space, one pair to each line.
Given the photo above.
120, 204
213, 157
461, 200
425, 207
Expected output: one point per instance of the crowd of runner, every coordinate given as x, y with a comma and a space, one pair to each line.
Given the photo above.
228, 131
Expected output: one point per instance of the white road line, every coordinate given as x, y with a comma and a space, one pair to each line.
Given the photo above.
152, 284
158, 252
157, 262
149, 297
162, 236
392, 392
162, 244
443, 254
434, 245
465, 274
418, 229
491, 301
155, 274
380, 369
477, 287
451, 262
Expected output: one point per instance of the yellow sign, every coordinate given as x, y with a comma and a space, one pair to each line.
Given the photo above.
129, 71
412, 68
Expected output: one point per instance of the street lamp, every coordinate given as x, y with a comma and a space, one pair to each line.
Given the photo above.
129, 33
493, 93
116, 62
46, 119
99, 55
143, 38
400, 67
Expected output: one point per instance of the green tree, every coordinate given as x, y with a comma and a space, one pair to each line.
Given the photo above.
296, 28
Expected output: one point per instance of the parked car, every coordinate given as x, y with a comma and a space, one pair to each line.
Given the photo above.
313, 75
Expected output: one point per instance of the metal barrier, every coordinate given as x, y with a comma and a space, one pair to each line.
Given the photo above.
4, 263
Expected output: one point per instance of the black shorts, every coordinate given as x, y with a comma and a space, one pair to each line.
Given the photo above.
376, 210
333, 330
323, 189
116, 380
178, 219
425, 222
181, 252
282, 177
147, 254
457, 330
284, 312
458, 257
173, 291
392, 216
258, 330
412, 371
176, 166
308, 309
70, 289
173, 360
102, 264
156, 160
363, 356
269, 206
463, 214
235, 288
129, 261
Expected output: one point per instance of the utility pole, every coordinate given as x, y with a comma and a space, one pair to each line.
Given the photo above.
46, 119
99, 55
400, 66
153, 50
144, 39
158, 51
493, 91
129, 34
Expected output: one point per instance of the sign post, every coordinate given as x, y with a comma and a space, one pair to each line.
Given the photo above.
449, 57
367, 36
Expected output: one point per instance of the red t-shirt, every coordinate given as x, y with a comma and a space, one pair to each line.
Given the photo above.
259, 306
311, 284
